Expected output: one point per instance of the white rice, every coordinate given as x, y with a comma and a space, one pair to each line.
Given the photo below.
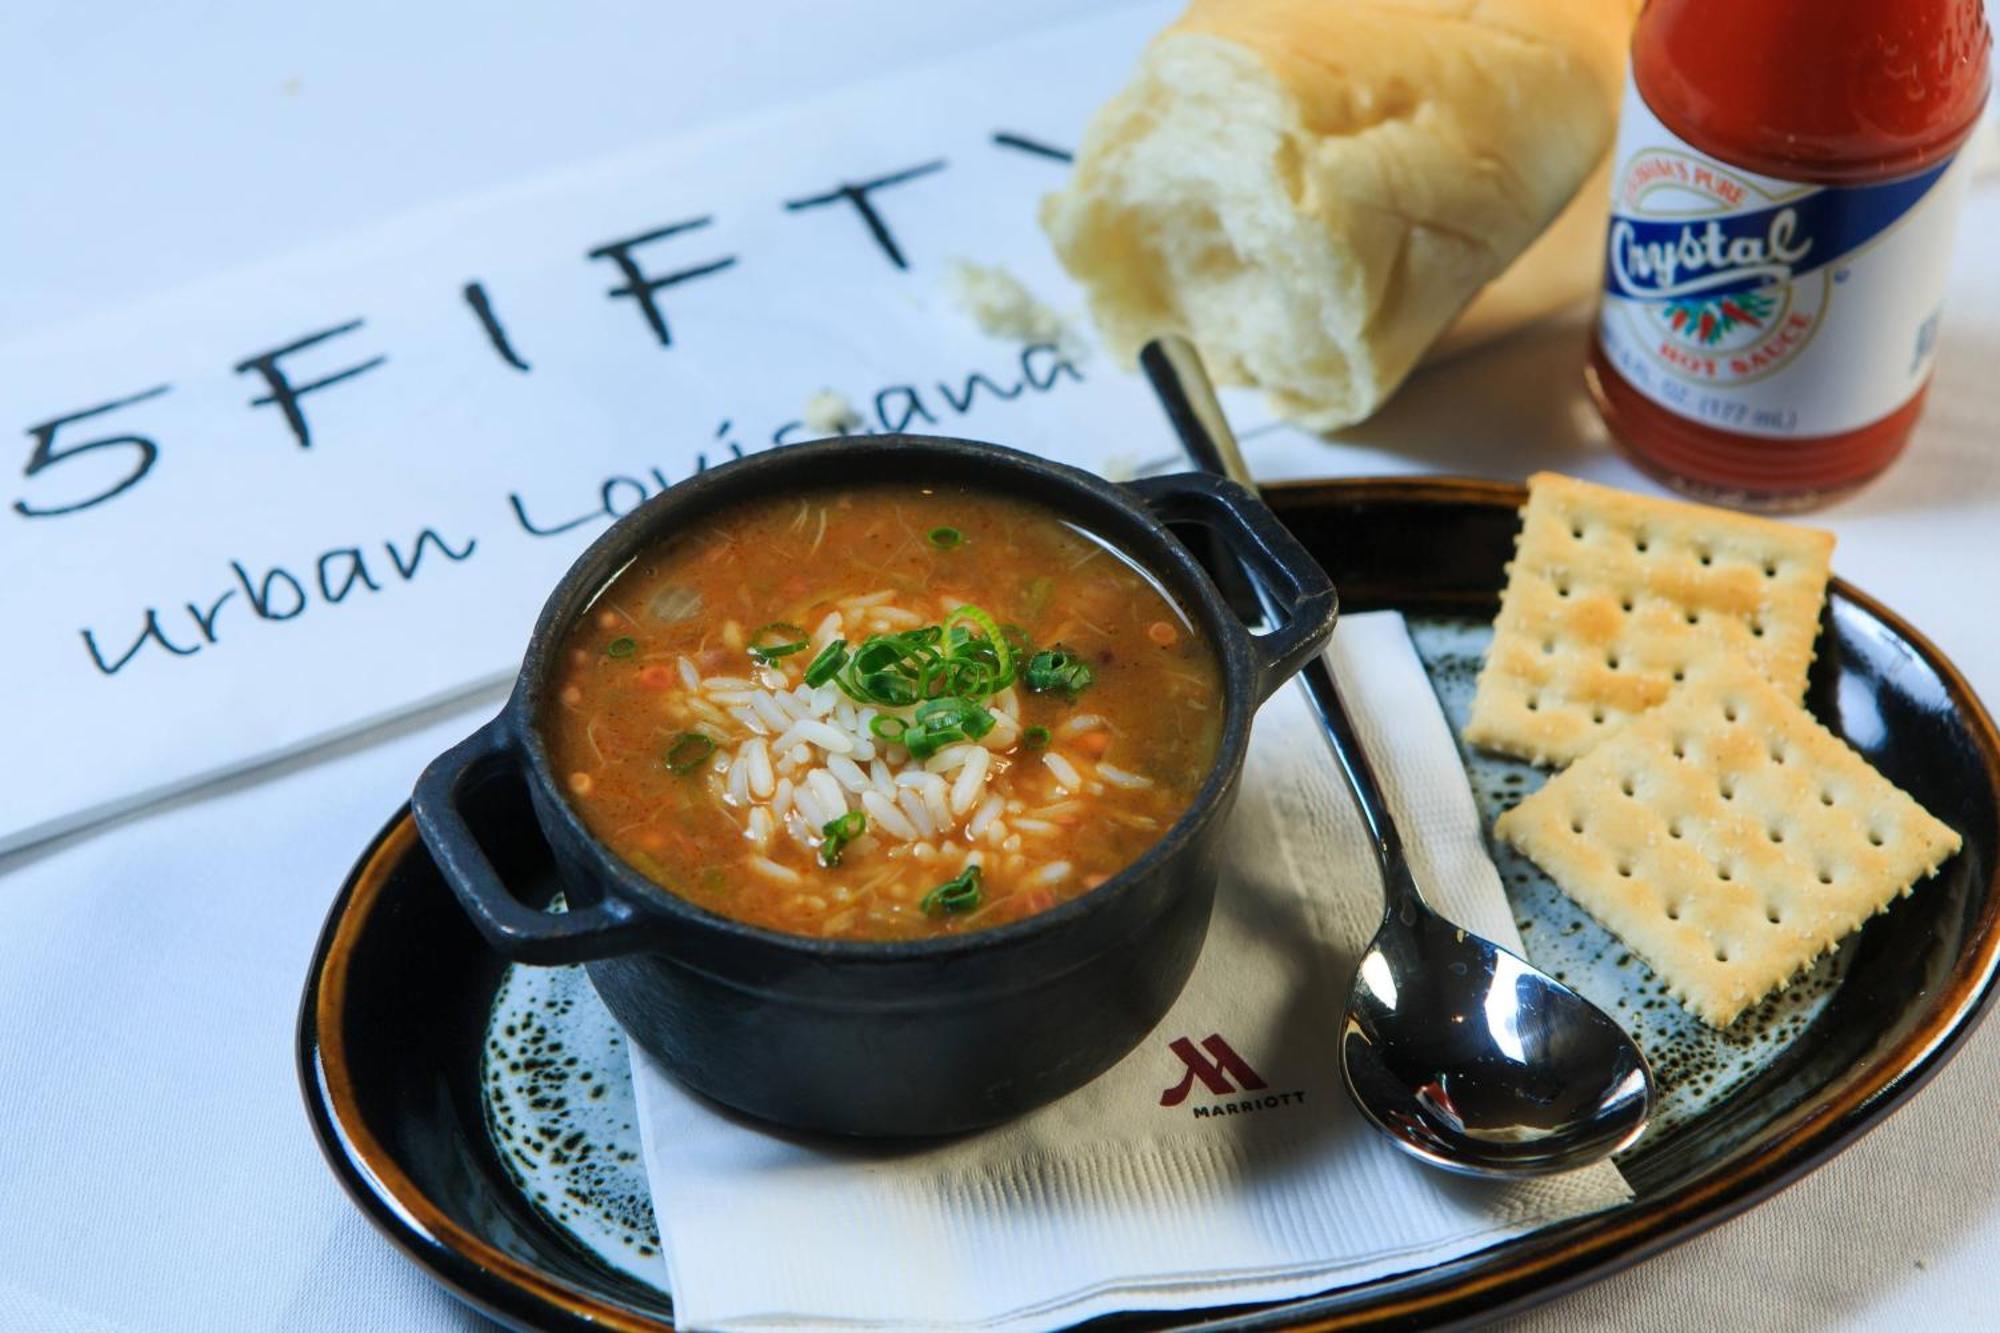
756, 756
912, 805
887, 817
814, 732
1118, 777
806, 801
771, 870
988, 811
827, 793
1065, 772
951, 757
847, 773
971, 782
776, 718
937, 801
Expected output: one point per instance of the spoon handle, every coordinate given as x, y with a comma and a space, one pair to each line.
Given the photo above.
1174, 368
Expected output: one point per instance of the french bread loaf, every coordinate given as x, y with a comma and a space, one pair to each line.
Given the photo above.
1313, 190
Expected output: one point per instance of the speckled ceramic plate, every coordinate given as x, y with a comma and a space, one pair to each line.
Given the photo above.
482, 1115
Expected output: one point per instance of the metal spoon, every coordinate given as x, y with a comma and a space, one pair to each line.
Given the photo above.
1459, 1051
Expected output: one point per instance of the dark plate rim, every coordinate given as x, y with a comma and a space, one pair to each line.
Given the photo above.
1480, 1286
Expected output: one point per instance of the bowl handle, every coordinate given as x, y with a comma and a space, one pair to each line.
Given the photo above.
516, 930
1291, 579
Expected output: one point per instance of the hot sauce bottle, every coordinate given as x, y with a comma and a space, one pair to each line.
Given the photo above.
1784, 194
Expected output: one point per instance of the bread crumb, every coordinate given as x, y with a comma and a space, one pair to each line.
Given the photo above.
1001, 304
830, 413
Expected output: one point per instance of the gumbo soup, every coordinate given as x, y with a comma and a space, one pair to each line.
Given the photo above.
882, 712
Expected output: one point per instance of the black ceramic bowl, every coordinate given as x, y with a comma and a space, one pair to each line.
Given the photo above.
911, 1037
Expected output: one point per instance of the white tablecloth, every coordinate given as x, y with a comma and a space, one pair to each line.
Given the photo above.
155, 1168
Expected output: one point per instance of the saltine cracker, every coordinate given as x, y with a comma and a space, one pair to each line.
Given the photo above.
1727, 838
1614, 598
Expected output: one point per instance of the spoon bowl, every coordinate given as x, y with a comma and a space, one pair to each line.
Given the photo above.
1479, 1063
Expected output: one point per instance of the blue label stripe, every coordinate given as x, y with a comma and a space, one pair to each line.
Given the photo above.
1689, 258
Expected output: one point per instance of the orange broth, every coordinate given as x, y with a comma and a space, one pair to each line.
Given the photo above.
663, 727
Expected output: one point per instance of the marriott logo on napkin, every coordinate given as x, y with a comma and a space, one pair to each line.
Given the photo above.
1220, 1162
1215, 1069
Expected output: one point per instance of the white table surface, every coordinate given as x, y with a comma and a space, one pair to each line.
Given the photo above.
156, 1170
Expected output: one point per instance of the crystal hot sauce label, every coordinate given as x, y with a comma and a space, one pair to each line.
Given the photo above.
1765, 306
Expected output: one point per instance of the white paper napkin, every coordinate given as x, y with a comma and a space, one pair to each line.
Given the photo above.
1123, 1195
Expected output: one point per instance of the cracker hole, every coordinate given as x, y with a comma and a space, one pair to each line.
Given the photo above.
1673, 911
1825, 875
1757, 629
1626, 603
1825, 797
1548, 647
1776, 834
1693, 616
1629, 787
1576, 823
1721, 955
1727, 789
1576, 531
1640, 543
1729, 711
1562, 588
1680, 674
1777, 754
1680, 748
1674, 829
1770, 569
1773, 915
1875, 838
1534, 703
1724, 873
1597, 716
1624, 870
1706, 557
1611, 660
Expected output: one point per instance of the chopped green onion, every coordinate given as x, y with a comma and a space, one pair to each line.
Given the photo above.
777, 640
996, 644
967, 658
831, 659
945, 721
688, 751
955, 896
838, 833
946, 538
1058, 670
888, 727
622, 647
1035, 738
